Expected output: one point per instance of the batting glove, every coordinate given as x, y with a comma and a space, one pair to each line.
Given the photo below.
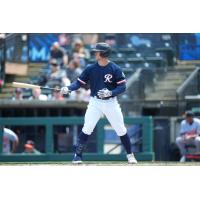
104, 93
64, 90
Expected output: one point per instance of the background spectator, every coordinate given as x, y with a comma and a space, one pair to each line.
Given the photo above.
56, 76
18, 95
80, 61
79, 53
80, 95
90, 38
9, 136
111, 39
78, 47
73, 70
56, 95
58, 53
36, 95
29, 148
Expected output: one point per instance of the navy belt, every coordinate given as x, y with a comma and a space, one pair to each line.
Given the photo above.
107, 98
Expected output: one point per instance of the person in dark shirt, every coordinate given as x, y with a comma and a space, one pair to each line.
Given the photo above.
58, 53
57, 76
106, 81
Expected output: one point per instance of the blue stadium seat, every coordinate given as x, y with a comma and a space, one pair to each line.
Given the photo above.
126, 49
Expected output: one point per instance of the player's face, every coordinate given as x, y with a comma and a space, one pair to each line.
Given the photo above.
97, 56
189, 119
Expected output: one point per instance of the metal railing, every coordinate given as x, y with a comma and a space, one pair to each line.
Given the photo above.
133, 85
191, 86
147, 139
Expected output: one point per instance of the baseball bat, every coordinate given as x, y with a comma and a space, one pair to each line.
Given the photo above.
31, 86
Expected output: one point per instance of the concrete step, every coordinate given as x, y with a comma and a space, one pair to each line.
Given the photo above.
177, 76
185, 67
159, 99
169, 84
160, 94
172, 82
165, 88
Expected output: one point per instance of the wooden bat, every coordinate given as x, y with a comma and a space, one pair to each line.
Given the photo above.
31, 86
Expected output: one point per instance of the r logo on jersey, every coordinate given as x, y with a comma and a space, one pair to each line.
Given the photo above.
108, 78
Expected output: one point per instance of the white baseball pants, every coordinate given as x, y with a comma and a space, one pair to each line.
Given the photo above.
97, 108
181, 144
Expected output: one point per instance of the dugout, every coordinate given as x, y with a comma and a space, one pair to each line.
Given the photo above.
161, 135
46, 115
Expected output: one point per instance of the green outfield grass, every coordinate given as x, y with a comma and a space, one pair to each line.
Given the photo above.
101, 163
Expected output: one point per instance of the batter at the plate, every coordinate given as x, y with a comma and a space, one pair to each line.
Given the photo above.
106, 81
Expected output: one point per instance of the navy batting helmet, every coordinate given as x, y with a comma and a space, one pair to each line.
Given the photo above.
103, 48
189, 113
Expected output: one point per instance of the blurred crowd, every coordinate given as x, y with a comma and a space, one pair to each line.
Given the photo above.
64, 66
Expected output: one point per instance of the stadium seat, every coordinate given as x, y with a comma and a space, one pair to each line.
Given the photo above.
118, 60
34, 80
157, 61
170, 54
126, 49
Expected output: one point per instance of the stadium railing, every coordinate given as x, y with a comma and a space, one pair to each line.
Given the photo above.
147, 153
191, 86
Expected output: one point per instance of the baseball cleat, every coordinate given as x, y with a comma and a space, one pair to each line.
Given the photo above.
77, 159
183, 159
131, 159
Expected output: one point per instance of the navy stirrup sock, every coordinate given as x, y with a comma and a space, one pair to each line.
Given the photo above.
126, 143
82, 140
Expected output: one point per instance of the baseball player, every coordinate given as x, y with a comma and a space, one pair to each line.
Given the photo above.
9, 136
189, 134
106, 81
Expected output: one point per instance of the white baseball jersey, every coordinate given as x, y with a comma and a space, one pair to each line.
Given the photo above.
194, 127
8, 135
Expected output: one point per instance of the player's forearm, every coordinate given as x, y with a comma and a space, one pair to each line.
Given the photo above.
119, 89
74, 86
